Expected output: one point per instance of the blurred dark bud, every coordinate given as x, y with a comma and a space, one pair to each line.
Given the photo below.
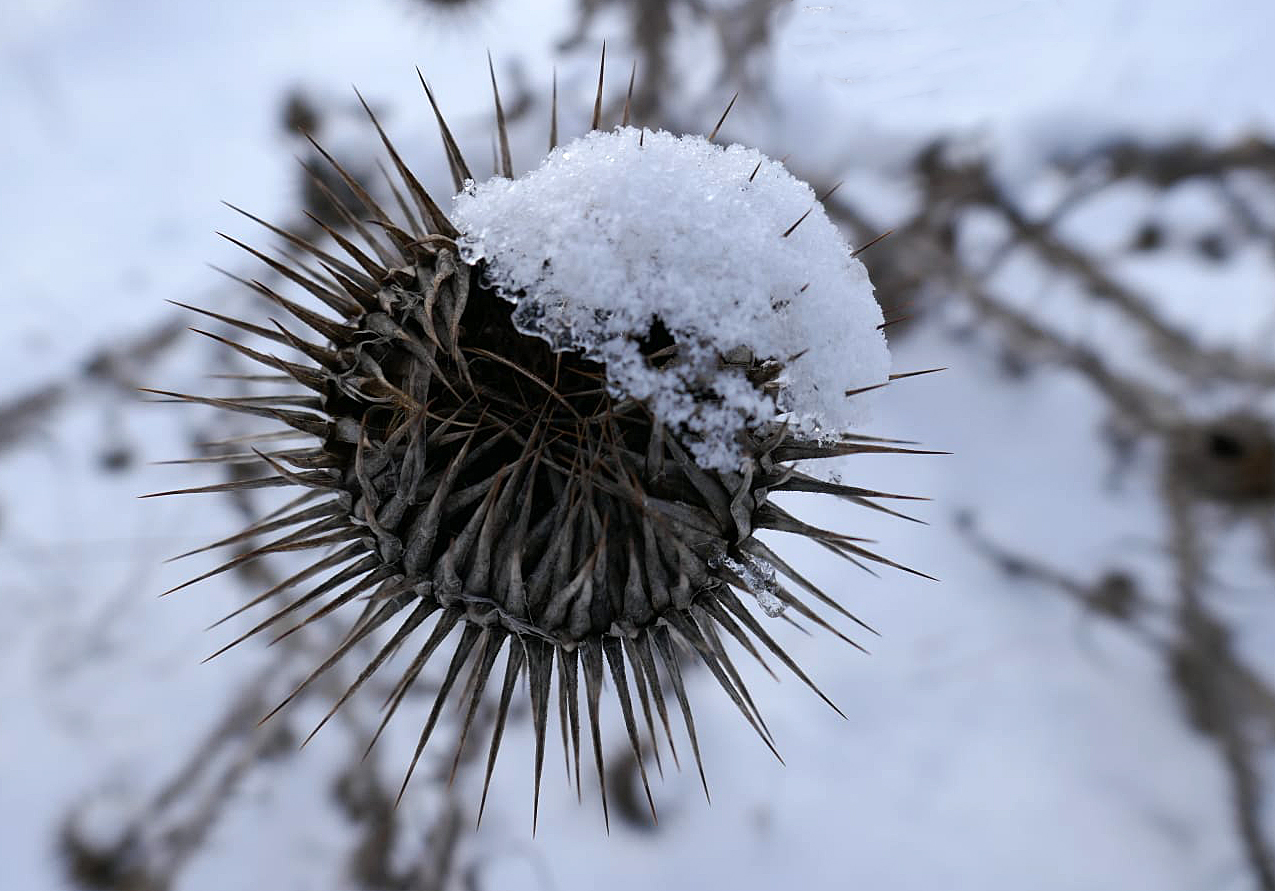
299, 114
1115, 595
1149, 237
1230, 459
116, 458
1212, 246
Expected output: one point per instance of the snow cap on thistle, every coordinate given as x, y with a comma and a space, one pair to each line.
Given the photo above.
624, 232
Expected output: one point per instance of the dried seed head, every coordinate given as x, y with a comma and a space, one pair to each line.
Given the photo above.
472, 482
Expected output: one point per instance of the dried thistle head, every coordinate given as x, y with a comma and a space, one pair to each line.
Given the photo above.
487, 483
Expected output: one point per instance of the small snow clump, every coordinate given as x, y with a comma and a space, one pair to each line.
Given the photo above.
758, 577
619, 232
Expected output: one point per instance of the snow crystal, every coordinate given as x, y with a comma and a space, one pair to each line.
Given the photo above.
758, 577
620, 232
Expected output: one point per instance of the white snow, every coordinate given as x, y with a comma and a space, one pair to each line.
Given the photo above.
620, 228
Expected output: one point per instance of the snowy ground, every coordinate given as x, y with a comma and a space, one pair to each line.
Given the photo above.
1001, 735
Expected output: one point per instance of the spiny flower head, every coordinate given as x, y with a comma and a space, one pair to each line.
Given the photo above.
546, 429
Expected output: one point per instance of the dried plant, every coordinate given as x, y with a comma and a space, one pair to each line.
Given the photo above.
470, 483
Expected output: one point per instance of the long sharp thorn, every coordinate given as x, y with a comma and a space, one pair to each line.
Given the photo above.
268, 482
664, 647
642, 646
750, 621
383, 615
340, 578
628, 97
495, 640
300, 373
707, 611
513, 667
859, 250
369, 203
789, 620
615, 659
460, 170
506, 162
713, 639
562, 716
336, 301
553, 114
857, 390
465, 646
375, 577
539, 673
290, 582
794, 226
723, 674
374, 269
568, 678
907, 374
828, 194
593, 690
839, 544
639, 681
597, 102
301, 243
722, 119
326, 509
333, 331
428, 208
409, 216
446, 622
266, 333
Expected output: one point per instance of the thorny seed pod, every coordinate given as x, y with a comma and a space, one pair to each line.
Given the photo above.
490, 473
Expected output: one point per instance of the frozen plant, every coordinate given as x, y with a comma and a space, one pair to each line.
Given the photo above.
548, 427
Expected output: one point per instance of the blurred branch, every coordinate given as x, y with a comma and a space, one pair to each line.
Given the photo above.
1206, 671
118, 366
